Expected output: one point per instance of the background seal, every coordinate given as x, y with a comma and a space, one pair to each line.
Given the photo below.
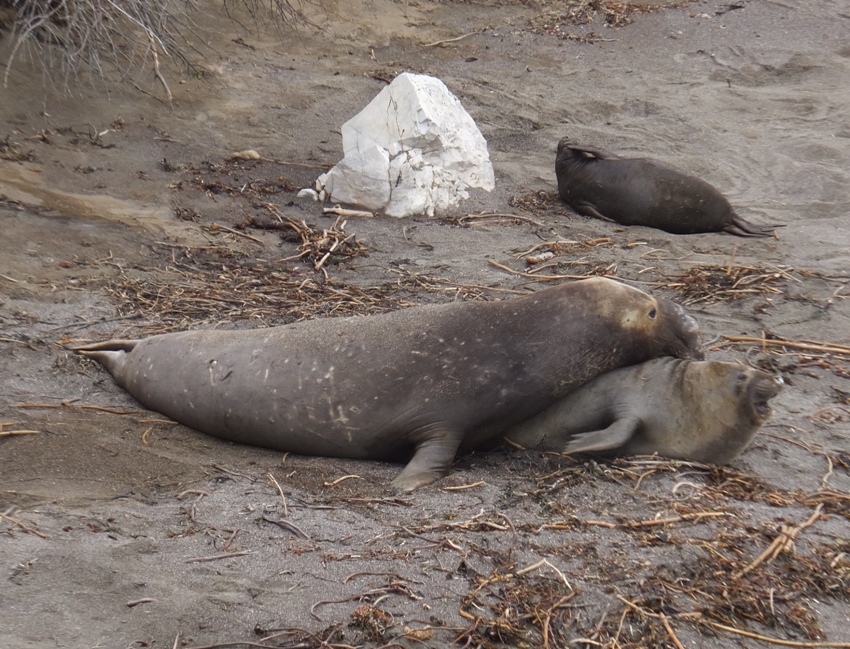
642, 191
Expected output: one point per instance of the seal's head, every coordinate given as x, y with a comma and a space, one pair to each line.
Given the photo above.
678, 331
568, 158
728, 403
754, 390
665, 325
563, 144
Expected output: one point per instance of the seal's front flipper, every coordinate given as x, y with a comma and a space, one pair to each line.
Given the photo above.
430, 462
616, 435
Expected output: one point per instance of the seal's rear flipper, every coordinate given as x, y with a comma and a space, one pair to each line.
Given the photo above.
616, 435
594, 152
743, 228
111, 354
119, 344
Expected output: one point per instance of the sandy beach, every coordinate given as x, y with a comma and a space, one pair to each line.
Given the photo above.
123, 214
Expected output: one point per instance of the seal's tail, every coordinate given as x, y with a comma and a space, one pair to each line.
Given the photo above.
112, 354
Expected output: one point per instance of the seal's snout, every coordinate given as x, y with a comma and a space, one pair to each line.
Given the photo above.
765, 387
563, 143
683, 329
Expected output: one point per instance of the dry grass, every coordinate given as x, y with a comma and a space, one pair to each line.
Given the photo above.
121, 40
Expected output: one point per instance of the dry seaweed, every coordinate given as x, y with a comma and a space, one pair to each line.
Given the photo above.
797, 355
202, 286
537, 202
234, 177
558, 20
705, 283
523, 608
750, 578
217, 284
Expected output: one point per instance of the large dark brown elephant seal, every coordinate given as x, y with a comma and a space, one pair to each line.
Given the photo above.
427, 378
705, 411
641, 191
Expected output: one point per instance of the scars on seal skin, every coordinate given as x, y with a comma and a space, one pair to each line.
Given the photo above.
426, 379
705, 411
640, 191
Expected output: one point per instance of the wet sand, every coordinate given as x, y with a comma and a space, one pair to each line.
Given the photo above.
123, 530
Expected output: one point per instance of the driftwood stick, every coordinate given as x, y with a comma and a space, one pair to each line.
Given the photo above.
826, 348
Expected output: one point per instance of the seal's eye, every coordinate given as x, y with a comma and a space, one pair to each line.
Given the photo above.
652, 313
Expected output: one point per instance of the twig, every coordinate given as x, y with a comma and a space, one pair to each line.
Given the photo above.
9, 433
341, 211
80, 325
496, 215
156, 70
827, 348
250, 154
824, 481
215, 227
781, 543
697, 516
228, 471
196, 492
17, 342
371, 574
532, 275
241, 645
334, 483
670, 631
784, 643
480, 483
111, 411
548, 619
24, 527
548, 244
377, 591
136, 602
290, 527
282, 497
217, 557
453, 40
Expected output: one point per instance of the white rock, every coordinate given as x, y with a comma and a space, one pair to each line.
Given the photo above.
308, 193
412, 150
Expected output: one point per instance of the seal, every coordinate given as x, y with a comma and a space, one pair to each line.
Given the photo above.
641, 191
429, 378
702, 411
